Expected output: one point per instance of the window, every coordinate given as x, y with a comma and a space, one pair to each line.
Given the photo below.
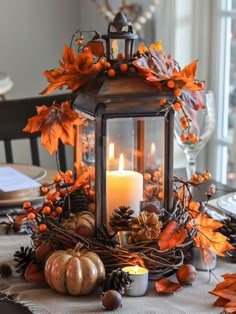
224, 48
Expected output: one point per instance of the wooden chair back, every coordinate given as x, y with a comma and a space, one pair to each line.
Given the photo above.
13, 118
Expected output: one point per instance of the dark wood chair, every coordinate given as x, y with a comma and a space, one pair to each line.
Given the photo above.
13, 118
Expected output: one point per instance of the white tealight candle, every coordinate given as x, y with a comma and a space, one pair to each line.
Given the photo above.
139, 275
123, 188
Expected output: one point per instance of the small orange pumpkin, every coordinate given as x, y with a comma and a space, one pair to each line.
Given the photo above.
74, 272
82, 223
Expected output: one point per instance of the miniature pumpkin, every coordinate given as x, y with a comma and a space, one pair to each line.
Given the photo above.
82, 223
74, 272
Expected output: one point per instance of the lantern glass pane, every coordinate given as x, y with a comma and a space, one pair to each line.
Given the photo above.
84, 145
117, 46
88, 142
134, 162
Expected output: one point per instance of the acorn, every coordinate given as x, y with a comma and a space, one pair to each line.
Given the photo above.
186, 274
111, 300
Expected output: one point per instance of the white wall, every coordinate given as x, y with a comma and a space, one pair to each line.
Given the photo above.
32, 36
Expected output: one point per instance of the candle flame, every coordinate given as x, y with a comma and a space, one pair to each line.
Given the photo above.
135, 269
111, 151
121, 163
153, 149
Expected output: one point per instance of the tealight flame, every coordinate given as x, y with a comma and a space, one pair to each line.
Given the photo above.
135, 269
121, 163
153, 149
111, 151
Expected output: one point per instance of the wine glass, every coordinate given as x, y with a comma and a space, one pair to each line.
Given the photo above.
199, 109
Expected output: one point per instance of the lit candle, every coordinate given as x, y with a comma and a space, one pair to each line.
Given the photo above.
153, 149
123, 188
139, 275
111, 162
111, 152
151, 161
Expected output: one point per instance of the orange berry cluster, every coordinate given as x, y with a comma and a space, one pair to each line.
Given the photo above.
120, 66
200, 178
79, 40
173, 85
54, 195
178, 105
153, 185
184, 122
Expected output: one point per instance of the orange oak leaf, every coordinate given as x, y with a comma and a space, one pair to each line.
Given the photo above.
75, 71
207, 237
226, 293
171, 236
164, 285
55, 122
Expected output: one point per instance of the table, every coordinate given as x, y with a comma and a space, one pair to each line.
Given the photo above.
43, 300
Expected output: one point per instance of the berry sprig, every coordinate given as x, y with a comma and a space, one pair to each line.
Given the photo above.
178, 105
54, 195
182, 187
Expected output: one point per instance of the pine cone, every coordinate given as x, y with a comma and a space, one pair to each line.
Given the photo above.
118, 280
146, 226
22, 258
75, 202
229, 230
120, 218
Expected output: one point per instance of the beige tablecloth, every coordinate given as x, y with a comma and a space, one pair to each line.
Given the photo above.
42, 300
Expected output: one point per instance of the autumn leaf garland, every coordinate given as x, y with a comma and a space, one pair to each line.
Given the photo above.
78, 68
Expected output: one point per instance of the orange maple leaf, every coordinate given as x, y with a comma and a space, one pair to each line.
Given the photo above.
226, 293
207, 238
75, 71
185, 77
172, 235
55, 122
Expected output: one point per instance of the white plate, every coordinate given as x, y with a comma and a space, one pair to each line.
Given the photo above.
20, 196
228, 203
223, 206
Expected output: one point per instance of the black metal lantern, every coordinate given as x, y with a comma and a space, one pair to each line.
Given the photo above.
133, 140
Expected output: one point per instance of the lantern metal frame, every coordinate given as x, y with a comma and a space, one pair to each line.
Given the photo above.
126, 95
123, 97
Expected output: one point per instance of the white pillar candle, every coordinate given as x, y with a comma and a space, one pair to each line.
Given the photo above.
139, 275
123, 188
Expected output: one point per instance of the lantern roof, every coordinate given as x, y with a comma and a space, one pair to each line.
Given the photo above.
123, 95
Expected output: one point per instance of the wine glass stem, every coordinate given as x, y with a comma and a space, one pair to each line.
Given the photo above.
191, 164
